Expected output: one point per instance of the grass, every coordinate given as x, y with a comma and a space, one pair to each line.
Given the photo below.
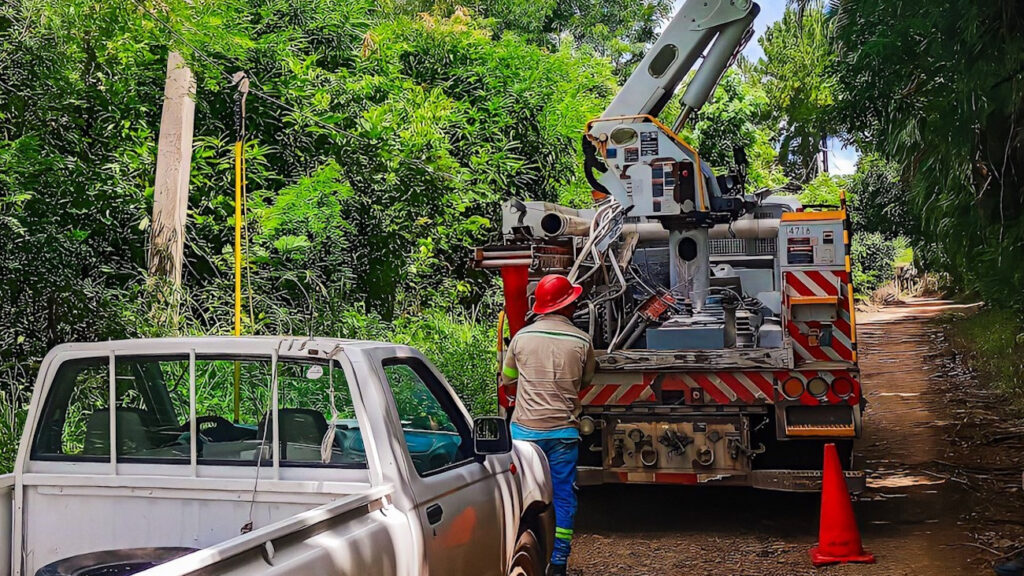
905, 256
993, 341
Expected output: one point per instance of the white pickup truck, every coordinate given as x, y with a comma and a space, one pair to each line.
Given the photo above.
287, 456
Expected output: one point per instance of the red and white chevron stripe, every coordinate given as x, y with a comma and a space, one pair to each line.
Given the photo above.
821, 283
720, 387
810, 283
732, 387
616, 394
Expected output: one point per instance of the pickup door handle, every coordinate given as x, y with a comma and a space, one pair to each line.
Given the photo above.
434, 513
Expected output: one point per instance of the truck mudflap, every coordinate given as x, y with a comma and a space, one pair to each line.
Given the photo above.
776, 480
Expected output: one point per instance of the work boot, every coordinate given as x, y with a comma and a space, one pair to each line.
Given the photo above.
1011, 568
557, 570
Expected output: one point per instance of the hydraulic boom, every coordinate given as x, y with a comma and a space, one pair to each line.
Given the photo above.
645, 166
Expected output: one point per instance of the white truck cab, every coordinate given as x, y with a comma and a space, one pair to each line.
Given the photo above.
265, 456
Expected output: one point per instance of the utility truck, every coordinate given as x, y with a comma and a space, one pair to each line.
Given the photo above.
265, 456
723, 320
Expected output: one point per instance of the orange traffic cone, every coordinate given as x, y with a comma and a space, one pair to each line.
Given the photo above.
838, 537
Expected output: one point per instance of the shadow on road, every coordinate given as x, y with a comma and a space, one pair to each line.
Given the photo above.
633, 508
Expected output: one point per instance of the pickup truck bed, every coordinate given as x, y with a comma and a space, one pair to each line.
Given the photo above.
357, 534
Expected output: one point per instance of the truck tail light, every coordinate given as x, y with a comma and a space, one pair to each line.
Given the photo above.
587, 426
793, 388
842, 387
817, 387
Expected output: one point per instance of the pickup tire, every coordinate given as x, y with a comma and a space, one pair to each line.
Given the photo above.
528, 558
113, 562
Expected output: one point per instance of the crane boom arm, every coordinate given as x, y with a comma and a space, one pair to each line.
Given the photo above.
643, 163
719, 27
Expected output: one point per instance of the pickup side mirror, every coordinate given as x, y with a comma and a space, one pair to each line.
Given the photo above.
491, 436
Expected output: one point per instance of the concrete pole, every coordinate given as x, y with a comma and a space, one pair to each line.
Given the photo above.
173, 165
824, 154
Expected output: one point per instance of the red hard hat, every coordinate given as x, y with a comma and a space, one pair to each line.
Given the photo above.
554, 292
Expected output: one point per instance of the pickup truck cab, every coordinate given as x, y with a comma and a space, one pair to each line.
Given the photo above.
260, 455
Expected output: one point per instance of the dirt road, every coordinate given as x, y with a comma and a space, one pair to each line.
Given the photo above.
943, 492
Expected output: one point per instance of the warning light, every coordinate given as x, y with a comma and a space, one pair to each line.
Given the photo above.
793, 388
842, 387
818, 387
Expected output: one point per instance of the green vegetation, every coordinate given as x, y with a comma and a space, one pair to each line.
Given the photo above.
937, 102
942, 99
380, 146
734, 118
796, 78
994, 345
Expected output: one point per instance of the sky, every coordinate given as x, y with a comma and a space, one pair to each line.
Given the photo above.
771, 11
841, 160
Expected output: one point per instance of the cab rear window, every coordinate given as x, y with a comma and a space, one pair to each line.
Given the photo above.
145, 412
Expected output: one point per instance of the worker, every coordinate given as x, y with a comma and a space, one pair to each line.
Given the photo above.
549, 361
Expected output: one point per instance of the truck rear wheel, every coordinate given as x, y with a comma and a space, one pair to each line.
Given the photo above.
528, 558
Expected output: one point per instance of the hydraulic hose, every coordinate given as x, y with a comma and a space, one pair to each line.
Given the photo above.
591, 163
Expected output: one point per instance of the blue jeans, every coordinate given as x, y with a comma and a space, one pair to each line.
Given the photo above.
562, 456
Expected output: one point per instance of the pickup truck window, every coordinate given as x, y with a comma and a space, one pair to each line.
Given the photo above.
152, 407
225, 438
305, 410
436, 434
80, 395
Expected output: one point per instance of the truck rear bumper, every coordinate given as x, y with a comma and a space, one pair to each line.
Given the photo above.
777, 480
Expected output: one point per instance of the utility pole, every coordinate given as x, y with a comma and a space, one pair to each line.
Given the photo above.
173, 166
824, 154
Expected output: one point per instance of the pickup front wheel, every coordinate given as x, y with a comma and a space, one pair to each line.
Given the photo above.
528, 558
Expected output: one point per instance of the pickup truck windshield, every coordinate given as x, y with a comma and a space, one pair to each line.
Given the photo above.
153, 397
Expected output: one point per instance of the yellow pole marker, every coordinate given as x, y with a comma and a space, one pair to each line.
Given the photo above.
243, 89
238, 273
238, 238
501, 331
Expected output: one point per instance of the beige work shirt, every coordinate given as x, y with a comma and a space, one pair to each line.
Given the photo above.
549, 360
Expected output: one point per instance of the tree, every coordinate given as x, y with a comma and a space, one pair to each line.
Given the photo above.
797, 78
379, 148
620, 30
879, 200
733, 119
377, 152
943, 98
